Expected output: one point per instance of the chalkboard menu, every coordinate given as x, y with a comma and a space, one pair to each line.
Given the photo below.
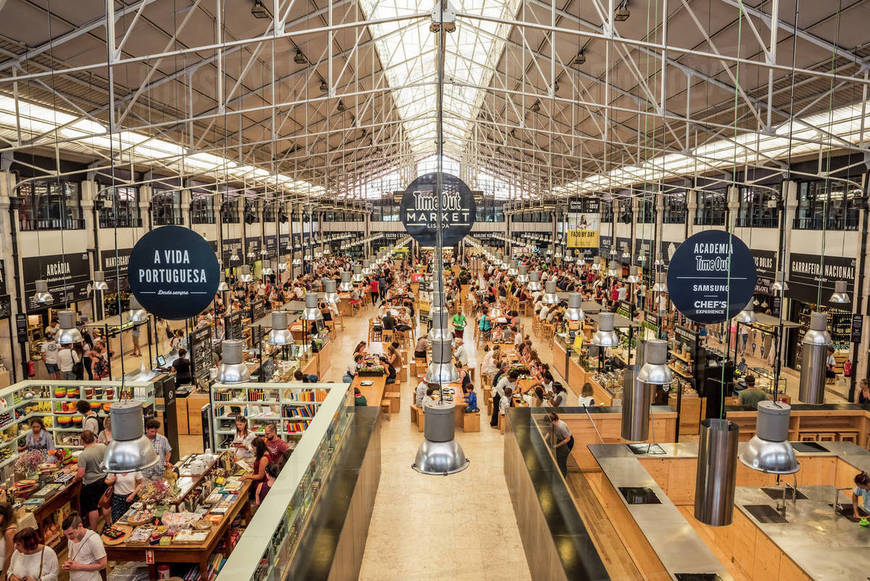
201, 358
113, 265
258, 310
688, 338
233, 325
68, 276
271, 246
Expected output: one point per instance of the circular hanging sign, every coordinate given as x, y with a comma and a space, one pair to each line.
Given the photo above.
173, 272
420, 215
711, 277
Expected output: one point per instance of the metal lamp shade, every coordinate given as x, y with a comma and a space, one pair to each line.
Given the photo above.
357, 274
614, 269
280, 334
68, 334
282, 265
655, 370
232, 370
311, 312
660, 285
779, 284
245, 274
535, 282
329, 293
513, 271
840, 296
130, 450
596, 266
717, 472
297, 261
100, 281
769, 449
267, 270
550, 297
747, 315
574, 312
442, 370
636, 401
234, 256
814, 354
42, 296
522, 274
633, 277
137, 313
605, 336
345, 285
440, 454
222, 283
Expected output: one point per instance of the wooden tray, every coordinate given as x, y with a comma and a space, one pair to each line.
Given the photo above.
128, 530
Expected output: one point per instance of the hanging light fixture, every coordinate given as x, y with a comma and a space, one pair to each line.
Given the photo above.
840, 296
716, 478
297, 260
357, 274
596, 265
574, 312
614, 269
534, 282
512, 270
330, 296
439, 315
495, 312
779, 284
245, 274
656, 371
814, 354
345, 285
550, 297
311, 312
661, 285
769, 449
136, 313
100, 281
42, 295
68, 333
282, 265
130, 449
222, 283
747, 315
267, 269
280, 333
633, 277
232, 370
441, 370
605, 336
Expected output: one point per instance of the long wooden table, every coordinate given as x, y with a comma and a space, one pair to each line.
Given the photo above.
373, 393
197, 553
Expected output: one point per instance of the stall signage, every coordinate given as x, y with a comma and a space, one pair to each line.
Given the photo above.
116, 266
21, 327
857, 327
173, 272
233, 325
271, 246
284, 243
807, 271
711, 277
653, 319
232, 245
583, 238
765, 268
604, 243
201, 357
68, 277
419, 209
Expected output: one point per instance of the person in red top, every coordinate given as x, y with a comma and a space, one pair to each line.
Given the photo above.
373, 289
277, 447
614, 293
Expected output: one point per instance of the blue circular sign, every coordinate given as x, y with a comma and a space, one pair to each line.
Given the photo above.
419, 209
711, 277
173, 272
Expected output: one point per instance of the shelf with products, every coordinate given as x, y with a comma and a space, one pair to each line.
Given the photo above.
289, 406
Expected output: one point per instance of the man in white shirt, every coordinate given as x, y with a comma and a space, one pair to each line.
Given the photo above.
420, 393
459, 353
66, 360
86, 555
544, 310
49, 356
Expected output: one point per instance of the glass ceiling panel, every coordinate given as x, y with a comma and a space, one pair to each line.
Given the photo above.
407, 51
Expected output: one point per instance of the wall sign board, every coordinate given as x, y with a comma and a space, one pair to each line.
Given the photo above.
711, 277
173, 272
419, 214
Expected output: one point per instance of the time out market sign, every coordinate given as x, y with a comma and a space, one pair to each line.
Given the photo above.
420, 215
711, 277
173, 272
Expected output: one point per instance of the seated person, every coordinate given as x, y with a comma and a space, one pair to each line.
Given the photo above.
421, 347
470, 399
428, 399
359, 400
304, 377
389, 321
353, 368
751, 395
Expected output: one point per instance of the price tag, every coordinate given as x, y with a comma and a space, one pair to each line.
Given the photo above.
149, 557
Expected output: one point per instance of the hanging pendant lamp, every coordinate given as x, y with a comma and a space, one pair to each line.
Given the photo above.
840, 296
232, 369
574, 312
633, 277
522, 274
605, 336
769, 449
330, 296
130, 449
100, 281
814, 355
42, 295
747, 315
222, 283
716, 478
68, 333
311, 312
245, 274
280, 333
550, 297
534, 282
779, 284
136, 313
345, 285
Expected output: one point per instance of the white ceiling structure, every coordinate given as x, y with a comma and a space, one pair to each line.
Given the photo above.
337, 99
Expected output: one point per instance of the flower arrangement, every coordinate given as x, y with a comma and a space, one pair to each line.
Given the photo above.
29, 461
155, 492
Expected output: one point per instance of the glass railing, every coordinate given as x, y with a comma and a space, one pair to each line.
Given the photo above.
267, 550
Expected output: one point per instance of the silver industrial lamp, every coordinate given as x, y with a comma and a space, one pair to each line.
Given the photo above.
747, 315
534, 282
345, 285
232, 370
311, 312
512, 270
574, 312
245, 274
100, 281
136, 313
840, 296
222, 283
660, 285
550, 297
614, 268
68, 333
814, 354
442, 370
357, 274
280, 333
42, 295
130, 449
605, 336
637, 395
779, 284
522, 274
330, 296
769, 449
633, 277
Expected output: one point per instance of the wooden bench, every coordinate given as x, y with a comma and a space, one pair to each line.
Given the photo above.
471, 421
418, 417
393, 398
385, 407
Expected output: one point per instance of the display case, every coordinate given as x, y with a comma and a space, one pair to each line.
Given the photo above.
269, 548
289, 406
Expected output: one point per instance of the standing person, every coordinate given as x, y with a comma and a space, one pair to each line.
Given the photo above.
78, 365
563, 442
278, 448
105, 436
66, 359
161, 446
134, 337
261, 459
182, 368
90, 417
8, 528
502, 390
373, 290
49, 356
86, 555
243, 440
92, 477
32, 561
125, 487
459, 322
272, 472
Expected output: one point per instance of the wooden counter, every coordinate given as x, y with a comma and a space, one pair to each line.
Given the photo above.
692, 410
560, 360
374, 393
826, 423
196, 553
